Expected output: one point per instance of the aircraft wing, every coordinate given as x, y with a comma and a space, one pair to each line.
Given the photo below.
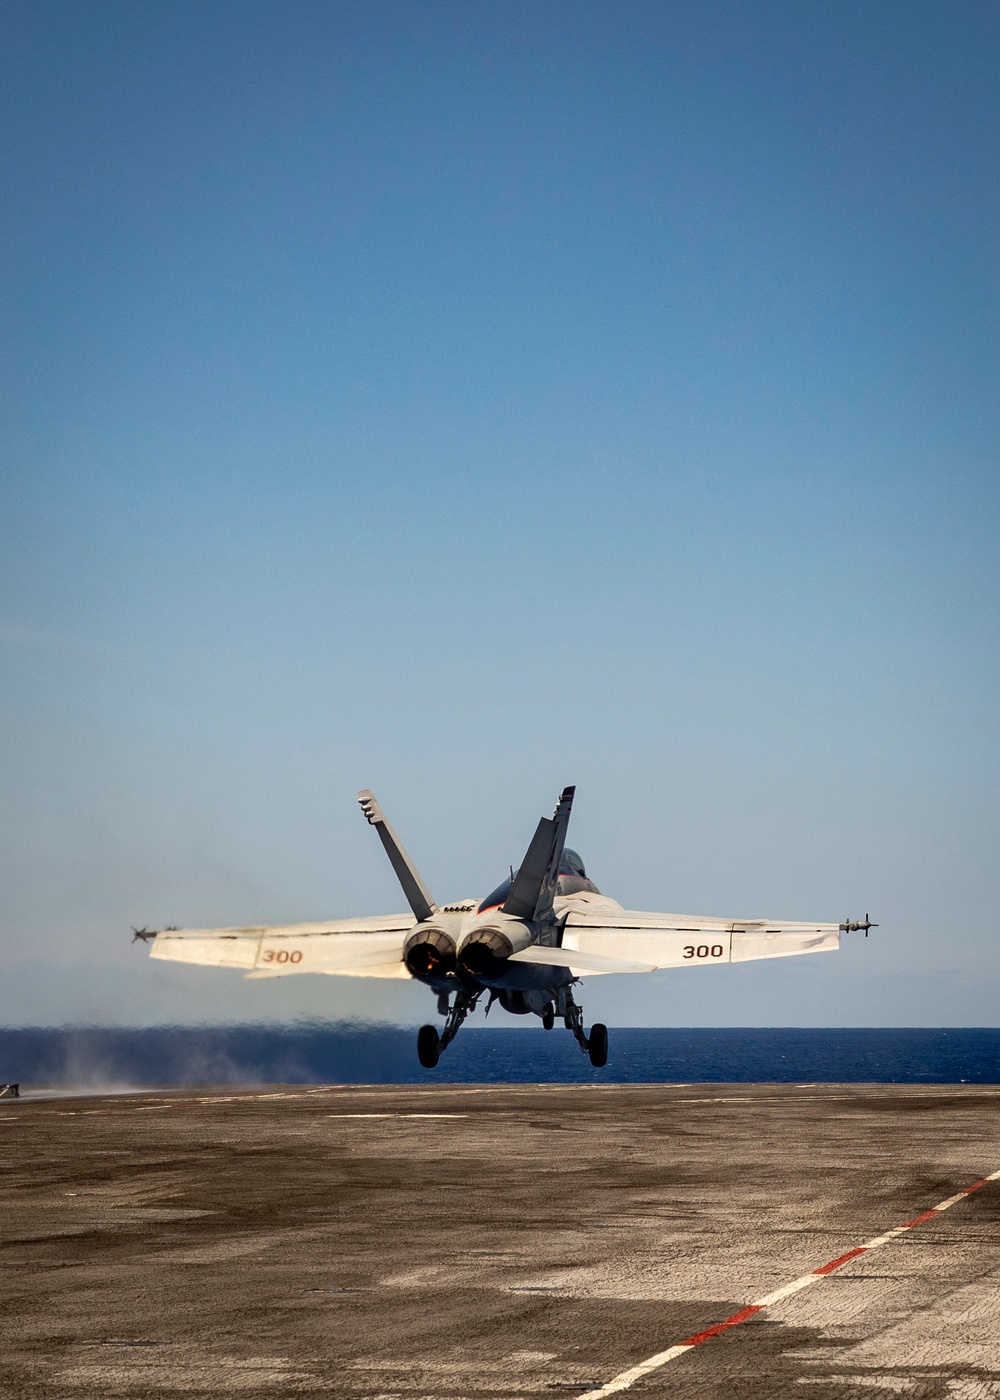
367, 947
681, 940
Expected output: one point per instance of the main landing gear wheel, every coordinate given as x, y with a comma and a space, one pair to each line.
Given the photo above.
597, 1047
548, 1018
428, 1046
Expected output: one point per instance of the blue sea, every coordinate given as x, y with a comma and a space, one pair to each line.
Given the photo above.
94, 1058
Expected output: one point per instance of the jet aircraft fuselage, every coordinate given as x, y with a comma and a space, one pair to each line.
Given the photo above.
487, 937
526, 945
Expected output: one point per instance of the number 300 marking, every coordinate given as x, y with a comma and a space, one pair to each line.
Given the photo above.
284, 956
703, 950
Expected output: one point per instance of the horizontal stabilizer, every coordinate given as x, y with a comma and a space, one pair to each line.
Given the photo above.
586, 962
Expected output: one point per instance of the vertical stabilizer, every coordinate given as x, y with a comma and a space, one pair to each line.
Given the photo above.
417, 894
534, 885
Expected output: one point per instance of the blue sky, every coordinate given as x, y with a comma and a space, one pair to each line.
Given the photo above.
462, 400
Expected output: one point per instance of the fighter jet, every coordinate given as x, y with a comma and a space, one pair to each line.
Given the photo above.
526, 945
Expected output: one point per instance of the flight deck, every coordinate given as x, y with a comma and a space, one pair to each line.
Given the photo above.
432, 1243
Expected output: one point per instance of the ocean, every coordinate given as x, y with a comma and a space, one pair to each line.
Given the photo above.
94, 1058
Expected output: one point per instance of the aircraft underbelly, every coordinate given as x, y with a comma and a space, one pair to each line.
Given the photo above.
527, 977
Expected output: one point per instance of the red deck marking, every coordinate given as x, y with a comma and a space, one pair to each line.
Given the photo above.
836, 1263
625, 1379
736, 1318
920, 1219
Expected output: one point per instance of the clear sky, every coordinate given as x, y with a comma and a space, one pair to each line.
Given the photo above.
465, 399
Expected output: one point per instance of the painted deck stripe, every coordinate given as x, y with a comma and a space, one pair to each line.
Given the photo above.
628, 1378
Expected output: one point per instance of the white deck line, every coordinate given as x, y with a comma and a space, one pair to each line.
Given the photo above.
625, 1379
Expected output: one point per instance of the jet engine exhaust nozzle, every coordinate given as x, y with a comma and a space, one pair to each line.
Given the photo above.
430, 952
485, 953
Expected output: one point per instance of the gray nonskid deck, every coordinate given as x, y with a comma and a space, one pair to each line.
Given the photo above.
498, 1242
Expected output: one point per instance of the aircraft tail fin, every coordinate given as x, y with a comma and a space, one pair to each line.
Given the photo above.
417, 894
534, 886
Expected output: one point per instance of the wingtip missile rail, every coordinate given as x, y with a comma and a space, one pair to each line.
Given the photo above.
851, 926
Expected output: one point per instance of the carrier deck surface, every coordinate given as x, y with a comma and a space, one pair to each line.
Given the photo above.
487, 1242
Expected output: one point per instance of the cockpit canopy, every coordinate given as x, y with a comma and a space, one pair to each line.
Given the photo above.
572, 880
573, 876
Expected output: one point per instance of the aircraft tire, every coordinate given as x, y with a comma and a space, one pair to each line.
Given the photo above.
428, 1046
597, 1047
548, 1018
